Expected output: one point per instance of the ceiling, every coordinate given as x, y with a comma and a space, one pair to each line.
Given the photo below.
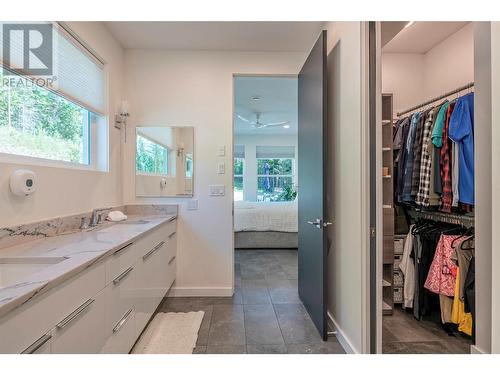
220, 36
278, 102
419, 37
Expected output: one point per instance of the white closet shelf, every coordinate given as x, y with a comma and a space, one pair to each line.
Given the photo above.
386, 306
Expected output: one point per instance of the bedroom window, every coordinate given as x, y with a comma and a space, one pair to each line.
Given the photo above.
151, 157
275, 179
239, 165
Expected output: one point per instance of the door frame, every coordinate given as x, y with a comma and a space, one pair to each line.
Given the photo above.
231, 152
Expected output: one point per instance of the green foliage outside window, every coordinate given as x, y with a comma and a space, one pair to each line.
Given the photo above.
151, 157
39, 123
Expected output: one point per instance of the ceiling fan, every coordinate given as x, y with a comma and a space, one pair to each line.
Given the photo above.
257, 124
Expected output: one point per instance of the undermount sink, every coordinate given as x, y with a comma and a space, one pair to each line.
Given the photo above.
15, 269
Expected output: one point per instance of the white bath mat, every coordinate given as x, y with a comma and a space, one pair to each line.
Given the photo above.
170, 333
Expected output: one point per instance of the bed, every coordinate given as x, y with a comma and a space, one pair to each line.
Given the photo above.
265, 225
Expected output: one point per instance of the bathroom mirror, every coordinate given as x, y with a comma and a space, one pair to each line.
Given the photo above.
164, 161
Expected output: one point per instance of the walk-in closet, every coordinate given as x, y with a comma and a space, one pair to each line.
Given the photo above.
428, 271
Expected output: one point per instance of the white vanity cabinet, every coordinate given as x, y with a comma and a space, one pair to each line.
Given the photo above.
102, 309
82, 331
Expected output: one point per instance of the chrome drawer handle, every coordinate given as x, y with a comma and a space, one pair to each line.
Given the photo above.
152, 251
171, 235
122, 321
122, 248
37, 344
63, 323
171, 260
171, 219
121, 276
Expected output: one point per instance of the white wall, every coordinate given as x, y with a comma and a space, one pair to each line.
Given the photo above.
66, 191
348, 184
403, 76
451, 63
195, 88
414, 77
250, 169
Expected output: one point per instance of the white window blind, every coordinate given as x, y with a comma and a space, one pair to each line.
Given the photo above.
80, 73
239, 151
275, 152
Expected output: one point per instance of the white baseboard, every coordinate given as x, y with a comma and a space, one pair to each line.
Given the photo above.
475, 350
200, 292
341, 337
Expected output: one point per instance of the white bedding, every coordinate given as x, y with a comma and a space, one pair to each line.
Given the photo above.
265, 216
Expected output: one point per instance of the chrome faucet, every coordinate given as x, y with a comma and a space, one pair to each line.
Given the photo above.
96, 217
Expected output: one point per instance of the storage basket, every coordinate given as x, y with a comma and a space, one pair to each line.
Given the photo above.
398, 245
398, 278
397, 260
398, 295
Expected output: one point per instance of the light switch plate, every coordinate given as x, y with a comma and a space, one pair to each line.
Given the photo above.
221, 168
217, 190
221, 151
192, 204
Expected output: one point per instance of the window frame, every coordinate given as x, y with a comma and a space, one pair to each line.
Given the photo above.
292, 175
96, 136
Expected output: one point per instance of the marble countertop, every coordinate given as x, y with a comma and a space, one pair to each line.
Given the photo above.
81, 248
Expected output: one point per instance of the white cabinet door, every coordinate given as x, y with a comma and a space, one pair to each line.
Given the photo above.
172, 260
122, 336
151, 283
82, 331
43, 345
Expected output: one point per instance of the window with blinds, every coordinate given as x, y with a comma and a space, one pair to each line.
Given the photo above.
52, 94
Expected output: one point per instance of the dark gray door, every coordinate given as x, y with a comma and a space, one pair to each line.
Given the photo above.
312, 184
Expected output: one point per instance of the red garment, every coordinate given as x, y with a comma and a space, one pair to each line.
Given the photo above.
445, 164
442, 274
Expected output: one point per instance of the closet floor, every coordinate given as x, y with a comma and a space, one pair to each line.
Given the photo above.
403, 334
265, 315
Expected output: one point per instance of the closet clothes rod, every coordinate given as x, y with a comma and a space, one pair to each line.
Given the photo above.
467, 221
437, 98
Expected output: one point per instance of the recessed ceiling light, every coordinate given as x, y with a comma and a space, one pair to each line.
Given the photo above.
411, 23
286, 126
256, 98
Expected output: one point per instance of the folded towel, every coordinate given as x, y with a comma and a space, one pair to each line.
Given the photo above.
116, 216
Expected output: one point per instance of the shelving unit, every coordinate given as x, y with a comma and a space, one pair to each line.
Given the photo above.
387, 205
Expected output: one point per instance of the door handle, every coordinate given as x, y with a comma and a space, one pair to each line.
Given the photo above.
319, 223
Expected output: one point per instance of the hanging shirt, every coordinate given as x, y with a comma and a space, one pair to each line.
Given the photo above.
445, 164
408, 268
437, 131
462, 132
441, 278
424, 185
454, 174
408, 169
458, 314
417, 154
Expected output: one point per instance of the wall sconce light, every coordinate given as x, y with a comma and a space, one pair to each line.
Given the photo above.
121, 119
180, 149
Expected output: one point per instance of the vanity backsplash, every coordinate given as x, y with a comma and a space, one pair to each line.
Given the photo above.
18, 234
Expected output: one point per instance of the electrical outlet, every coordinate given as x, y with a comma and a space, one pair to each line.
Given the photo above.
192, 204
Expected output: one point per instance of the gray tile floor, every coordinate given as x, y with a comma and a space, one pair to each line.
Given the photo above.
402, 334
265, 315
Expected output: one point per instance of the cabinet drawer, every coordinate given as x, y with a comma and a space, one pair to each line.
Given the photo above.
122, 337
172, 272
83, 331
153, 238
152, 279
26, 324
120, 296
121, 260
43, 345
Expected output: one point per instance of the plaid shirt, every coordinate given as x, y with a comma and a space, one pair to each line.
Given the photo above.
426, 161
445, 165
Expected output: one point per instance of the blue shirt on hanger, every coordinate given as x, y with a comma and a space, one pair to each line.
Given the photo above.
461, 131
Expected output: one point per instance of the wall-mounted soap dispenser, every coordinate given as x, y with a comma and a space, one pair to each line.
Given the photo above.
23, 182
